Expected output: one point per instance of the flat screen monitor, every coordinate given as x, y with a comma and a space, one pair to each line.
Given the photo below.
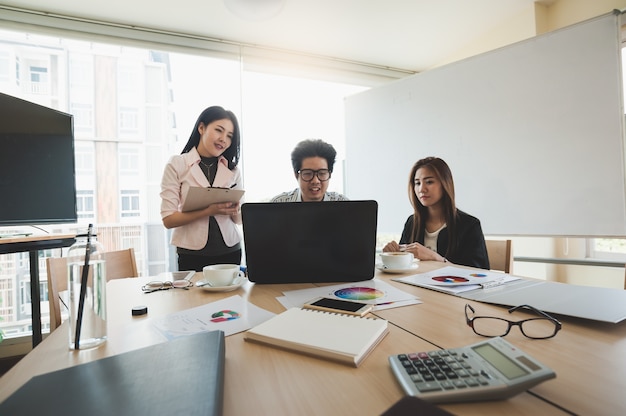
37, 174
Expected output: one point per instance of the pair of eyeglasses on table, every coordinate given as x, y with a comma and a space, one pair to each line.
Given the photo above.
156, 285
542, 327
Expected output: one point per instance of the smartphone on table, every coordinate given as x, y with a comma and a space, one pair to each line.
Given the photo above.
339, 306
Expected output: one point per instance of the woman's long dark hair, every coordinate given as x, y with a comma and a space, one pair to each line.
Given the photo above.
208, 116
420, 213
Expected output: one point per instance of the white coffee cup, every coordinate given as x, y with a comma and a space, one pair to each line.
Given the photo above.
397, 259
221, 274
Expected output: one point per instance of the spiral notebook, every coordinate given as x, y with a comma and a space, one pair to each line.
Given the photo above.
344, 338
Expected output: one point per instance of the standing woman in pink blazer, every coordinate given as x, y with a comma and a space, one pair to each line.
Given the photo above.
210, 157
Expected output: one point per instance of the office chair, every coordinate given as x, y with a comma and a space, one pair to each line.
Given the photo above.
500, 254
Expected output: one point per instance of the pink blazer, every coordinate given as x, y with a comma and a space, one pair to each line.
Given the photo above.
183, 171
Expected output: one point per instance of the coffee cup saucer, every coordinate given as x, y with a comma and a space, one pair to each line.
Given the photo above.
386, 269
237, 283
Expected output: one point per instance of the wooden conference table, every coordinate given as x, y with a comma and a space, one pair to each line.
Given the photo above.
588, 357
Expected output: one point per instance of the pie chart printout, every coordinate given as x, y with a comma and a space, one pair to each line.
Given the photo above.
450, 279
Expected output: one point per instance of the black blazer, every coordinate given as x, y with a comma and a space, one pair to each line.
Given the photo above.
471, 248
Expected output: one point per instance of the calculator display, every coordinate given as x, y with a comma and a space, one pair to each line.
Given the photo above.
501, 362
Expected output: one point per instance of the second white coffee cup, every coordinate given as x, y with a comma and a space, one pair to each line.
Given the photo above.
221, 274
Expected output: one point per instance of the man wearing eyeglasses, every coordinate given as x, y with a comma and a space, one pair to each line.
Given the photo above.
313, 162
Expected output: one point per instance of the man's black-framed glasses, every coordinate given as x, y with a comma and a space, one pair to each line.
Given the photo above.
308, 174
543, 327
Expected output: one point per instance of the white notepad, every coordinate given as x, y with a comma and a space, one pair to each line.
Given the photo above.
338, 337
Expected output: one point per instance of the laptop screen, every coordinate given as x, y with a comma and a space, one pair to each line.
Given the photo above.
310, 242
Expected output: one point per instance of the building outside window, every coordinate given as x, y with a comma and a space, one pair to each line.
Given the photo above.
85, 205
39, 80
130, 203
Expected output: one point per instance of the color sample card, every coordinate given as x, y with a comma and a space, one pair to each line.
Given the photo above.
374, 292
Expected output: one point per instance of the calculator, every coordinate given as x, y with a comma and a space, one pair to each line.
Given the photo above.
489, 370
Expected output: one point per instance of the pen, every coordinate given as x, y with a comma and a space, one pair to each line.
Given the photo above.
233, 185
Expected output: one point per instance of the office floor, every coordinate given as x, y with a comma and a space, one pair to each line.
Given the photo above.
8, 362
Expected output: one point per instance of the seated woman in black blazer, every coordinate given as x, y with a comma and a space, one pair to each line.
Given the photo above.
437, 230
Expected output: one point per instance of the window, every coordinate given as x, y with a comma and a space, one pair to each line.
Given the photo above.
39, 80
25, 302
81, 73
130, 203
129, 121
128, 161
608, 249
83, 118
146, 106
6, 299
85, 204
84, 158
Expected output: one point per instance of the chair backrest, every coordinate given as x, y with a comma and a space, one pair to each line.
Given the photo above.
119, 264
500, 254
57, 282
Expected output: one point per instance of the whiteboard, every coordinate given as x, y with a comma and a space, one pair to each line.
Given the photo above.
533, 133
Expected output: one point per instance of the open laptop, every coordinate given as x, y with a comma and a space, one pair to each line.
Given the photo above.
310, 242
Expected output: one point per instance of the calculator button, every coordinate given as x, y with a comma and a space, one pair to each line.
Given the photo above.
462, 373
447, 385
483, 381
424, 387
440, 376
416, 378
472, 382
459, 384
410, 370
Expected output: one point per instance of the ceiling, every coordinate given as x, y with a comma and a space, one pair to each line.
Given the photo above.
402, 34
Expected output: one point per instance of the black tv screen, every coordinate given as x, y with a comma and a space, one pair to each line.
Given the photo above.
37, 180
